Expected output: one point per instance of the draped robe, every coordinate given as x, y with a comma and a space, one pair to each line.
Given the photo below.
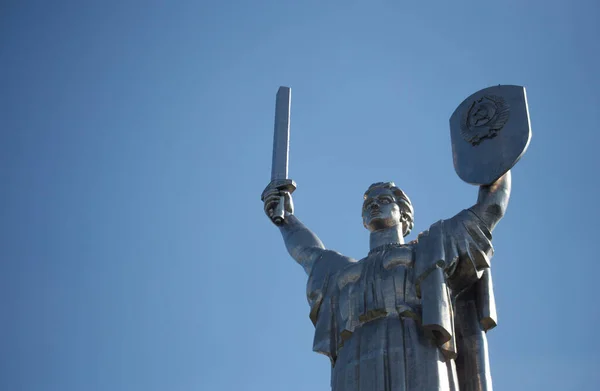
411, 317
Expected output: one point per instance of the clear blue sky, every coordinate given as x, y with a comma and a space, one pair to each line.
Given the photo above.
135, 140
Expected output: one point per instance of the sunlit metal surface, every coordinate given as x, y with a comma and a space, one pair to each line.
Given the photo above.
409, 316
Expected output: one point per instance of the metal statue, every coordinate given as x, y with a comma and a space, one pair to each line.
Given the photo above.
411, 316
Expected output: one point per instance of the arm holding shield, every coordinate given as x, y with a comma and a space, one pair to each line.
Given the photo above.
493, 201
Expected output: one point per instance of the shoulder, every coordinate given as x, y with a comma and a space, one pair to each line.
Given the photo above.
464, 219
329, 262
336, 256
460, 231
333, 260
323, 270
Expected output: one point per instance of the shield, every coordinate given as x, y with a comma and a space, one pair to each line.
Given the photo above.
490, 132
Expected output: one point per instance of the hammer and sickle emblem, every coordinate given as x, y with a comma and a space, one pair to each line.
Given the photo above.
484, 118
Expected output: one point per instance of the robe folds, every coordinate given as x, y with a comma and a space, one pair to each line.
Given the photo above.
408, 318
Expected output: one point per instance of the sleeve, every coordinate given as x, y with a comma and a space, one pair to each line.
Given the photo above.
468, 249
450, 257
472, 323
320, 292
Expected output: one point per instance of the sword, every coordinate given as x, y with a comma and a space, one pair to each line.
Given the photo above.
281, 148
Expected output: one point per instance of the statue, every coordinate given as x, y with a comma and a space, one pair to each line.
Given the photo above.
411, 316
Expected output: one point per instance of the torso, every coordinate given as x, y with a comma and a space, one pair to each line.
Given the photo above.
377, 286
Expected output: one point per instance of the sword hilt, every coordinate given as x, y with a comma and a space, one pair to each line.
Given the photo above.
281, 185
279, 212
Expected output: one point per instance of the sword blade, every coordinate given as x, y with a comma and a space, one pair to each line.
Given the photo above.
281, 136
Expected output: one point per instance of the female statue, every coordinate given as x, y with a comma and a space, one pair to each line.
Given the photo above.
408, 316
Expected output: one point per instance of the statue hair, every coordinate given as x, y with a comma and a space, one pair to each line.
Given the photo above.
402, 201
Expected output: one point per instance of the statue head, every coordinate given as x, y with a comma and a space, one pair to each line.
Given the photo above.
386, 206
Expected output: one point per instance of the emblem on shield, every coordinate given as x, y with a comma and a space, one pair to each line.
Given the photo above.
490, 132
484, 119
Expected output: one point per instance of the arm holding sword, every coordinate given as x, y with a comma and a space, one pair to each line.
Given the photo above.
302, 244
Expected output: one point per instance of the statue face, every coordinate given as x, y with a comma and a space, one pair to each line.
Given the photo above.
380, 210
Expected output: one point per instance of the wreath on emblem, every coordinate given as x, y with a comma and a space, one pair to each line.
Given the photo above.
484, 118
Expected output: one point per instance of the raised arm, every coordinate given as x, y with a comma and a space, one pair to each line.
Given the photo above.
493, 201
302, 244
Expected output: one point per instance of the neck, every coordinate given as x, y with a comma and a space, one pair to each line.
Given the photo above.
386, 236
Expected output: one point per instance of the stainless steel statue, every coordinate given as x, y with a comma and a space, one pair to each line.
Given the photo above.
411, 316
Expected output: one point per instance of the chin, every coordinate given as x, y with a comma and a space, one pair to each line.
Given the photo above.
379, 223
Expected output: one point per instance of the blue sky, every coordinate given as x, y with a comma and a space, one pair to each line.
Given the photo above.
135, 140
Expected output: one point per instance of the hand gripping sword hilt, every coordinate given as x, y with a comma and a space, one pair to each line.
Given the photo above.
282, 185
